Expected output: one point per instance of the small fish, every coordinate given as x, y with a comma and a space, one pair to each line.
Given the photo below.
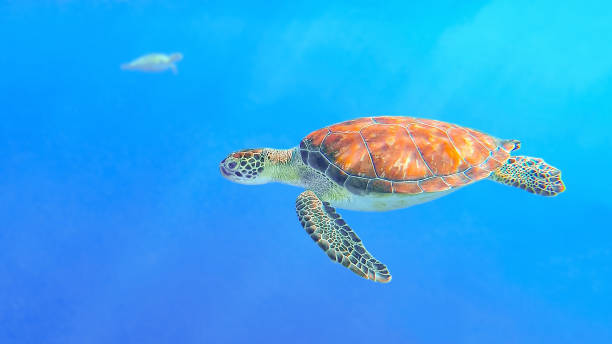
154, 63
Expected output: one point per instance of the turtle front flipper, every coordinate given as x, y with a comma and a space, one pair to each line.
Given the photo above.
337, 239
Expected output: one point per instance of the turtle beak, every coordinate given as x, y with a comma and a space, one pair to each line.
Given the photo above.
224, 171
228, 169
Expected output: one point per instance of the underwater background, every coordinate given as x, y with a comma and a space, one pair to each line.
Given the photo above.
116, 226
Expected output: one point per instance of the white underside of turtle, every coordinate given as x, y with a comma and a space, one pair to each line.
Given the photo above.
386, 202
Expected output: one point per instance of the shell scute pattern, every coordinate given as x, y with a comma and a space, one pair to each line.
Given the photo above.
407, 187
401, 120
348, 151
500, 155
353, 125
491, 164
404, 155
457, 179
436, 124
486, 140
477, 173
394, 153
434, 185
472, 151
437, 150
380, 185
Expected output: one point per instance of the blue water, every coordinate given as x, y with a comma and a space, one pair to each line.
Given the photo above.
116, 227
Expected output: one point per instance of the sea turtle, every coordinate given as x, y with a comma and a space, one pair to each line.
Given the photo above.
383, 163
154, 63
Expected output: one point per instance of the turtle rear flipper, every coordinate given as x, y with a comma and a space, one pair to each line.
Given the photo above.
530, 174
337, 239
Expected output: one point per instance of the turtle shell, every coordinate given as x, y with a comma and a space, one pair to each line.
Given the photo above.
406, 155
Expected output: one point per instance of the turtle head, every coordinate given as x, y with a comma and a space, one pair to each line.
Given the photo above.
245, 166
176, 57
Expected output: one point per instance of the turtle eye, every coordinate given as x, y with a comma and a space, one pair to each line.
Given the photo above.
231, 165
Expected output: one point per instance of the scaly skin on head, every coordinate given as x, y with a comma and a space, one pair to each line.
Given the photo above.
245, 167
260, 166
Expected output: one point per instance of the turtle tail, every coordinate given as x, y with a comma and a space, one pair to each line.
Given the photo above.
530, 174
